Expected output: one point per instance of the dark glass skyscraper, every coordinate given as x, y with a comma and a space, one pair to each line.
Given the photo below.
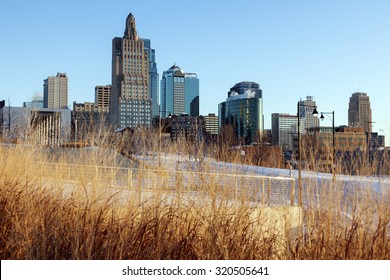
243, 110
153, 77
131, 101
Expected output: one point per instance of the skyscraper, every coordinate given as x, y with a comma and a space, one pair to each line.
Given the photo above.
191, 94
243, 110
153, 77
131, 103
55, 92
284, 127
102, 98
359, 111
179, 93
306, 108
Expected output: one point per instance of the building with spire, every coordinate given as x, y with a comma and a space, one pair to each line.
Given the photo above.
179, 93
359, 112
131, 101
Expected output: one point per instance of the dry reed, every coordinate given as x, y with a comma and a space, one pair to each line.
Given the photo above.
43, 218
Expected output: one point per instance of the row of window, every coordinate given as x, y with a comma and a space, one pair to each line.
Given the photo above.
134, 103
134, 78
178, 80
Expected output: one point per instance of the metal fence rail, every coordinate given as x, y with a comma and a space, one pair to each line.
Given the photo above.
263, 190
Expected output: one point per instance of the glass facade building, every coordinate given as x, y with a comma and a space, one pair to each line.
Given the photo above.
284, 127
179, 93
243, 111
153, 77
191, 94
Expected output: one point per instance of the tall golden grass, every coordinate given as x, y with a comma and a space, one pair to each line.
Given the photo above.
43, 218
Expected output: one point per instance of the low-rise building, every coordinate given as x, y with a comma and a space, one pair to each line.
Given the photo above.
189, 128
49, 127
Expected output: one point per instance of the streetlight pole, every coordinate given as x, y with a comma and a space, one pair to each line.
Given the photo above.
333, 143
315, 113
299, 158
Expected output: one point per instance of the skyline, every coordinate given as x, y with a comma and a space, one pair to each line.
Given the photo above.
328, 50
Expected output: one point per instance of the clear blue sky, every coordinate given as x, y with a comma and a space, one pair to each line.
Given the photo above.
327, 49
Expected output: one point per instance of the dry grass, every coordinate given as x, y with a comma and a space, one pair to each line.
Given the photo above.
41, 219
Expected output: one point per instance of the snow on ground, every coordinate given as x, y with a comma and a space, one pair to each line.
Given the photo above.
178, 162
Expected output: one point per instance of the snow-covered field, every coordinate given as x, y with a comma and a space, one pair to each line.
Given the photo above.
344, 183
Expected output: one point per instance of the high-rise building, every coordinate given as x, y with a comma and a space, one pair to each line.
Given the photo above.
359, 111
179, 93
284, 127
153, 77
38, 126
55, 92
191, 94
243, 110
102, 98
307, 119
131, 103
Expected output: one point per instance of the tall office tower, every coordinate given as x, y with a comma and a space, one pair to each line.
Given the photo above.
153, 77
243, 110
307, 119
179, 93
284, 127
102, 98
131, 103
192, 94
359, 111
55, 92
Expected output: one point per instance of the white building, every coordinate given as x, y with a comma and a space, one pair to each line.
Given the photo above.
36, 126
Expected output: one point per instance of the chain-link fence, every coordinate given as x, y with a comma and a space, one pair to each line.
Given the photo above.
264, 190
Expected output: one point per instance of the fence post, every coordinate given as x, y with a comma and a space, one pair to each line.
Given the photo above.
269, 192
236, 190
96, 176
56, 175
41, 177
178, 184
112, 177
292, 189
129, 178
139, 187
263, 192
